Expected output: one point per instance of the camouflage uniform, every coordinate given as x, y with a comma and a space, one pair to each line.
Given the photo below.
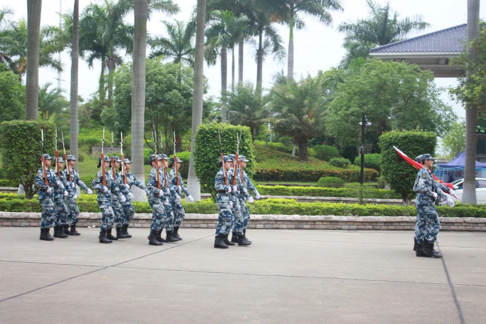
172, 197
128, 209
47, 199
105, 198
62, 211
249, 186
236, 197
427, 225
158, 203
115, 201
72, 203
225, 205
179, 211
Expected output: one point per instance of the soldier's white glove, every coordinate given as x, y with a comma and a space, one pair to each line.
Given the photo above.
245, 191
250, 200
434, 194
65, 193
166, 202
450, 202
179, 188
257, 196
189, 199
177, 199
229, 189
147, 192
49, 190
231, 205
235, 189
126, 186
167, 191
73, 185
452, 192
130, 195
75, 197
90, 192
160, 193
122, 198
105, 189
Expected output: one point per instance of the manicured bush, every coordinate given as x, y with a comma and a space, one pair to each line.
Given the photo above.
396, 170
372, 161
340, 162
185, 158
325, 192
80, 157
8, 183
20, 141
91, 141
330, 182
326, 152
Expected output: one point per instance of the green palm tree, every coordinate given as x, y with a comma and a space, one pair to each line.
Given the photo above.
51, 101
291, 15
298, 109
178, 46
5, 39
382, 27
248, 108
223, 33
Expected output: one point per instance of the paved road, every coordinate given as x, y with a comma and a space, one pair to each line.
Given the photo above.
284, 277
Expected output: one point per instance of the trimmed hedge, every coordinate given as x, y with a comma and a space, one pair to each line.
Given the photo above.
325, 192
340, 162
13, 203
330, 182
372, 161
9, 183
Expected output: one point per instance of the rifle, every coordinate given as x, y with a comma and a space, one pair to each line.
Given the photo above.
124, 171
241, 169
237, 157
44, 172
154, 133
163, 161
57, 157
65, 158
112, 158
103, 159
222, 159
175, 162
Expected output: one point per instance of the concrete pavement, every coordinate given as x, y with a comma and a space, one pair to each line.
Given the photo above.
284, 277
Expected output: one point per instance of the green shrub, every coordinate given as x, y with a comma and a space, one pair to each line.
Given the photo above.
325, 192
146, 154
91, 141
372, 161
381, 182
326, 152
88, 179
396, 170
8, 183
340, 162
80, 157
20, 141
330, 182
185, 158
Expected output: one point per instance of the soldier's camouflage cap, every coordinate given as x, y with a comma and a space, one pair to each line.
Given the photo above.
116, 159
160, 156
227, 158
127, 161
71, 157
426, 157
60, 160
172, 160
232, 157
46, 157
107, 159
243, 158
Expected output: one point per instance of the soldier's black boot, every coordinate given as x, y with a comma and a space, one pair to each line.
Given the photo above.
153, 238
73, 231
58, 232
109, 236
103, 238
159, 236
45, 236
170, 238
234, 238
419, 251
415, 244
125, 231
244, 233
228, 242
65, 229
242, 241
428, 249
120, 234
219, 242
176, 233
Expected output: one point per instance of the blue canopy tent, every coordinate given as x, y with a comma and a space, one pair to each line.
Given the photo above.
454, 170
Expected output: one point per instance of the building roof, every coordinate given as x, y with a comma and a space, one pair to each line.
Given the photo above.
450, 40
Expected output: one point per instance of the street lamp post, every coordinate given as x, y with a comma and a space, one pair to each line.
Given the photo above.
363, 124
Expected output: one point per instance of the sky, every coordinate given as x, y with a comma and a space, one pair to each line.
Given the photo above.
317, 46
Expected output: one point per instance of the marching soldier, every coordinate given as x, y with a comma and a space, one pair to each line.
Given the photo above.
71, 200
46, 180
236, 195
128, 209
116, 203
176, 201
427, 225
60, 193
225, 204
173, 198
107, 189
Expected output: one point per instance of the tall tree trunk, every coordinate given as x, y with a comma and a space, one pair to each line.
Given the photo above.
111, 73
260, 61
469, 194
290, 65
178, 143
102, 80
33, 43
193, 184
241, 53
233, 70
74, 84
224, 81
302, 142
138, 94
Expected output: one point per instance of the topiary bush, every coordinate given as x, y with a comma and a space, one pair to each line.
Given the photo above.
20, 141
396, 171
185, 157
372, 161
330, 182
326, 152
340, 162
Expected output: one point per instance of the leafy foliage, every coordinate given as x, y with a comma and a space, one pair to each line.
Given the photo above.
330, 182
454, 140
20, 142
325, 192
370, 161
12, 98
396, 170
340, 162
178, 46
326, 152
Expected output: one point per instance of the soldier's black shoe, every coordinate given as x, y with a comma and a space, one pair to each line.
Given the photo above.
109, 236
45, 236
120, 234
234, 238
153, 238
170, 238
419, 251
58, 232
159, 236
175, 234
103, 238
244, 233
125, 231
227, 242
73, 231
65, 229
428, 249
242, 241
219, 242
415, 244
